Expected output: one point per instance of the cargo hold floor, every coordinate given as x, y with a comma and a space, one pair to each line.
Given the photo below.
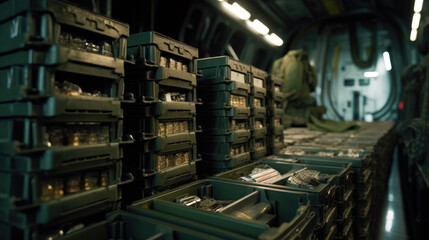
393, 215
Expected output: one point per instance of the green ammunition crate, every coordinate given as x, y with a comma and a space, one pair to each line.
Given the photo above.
214, 125
212, 164
155, 171
43, 23
238, 136
258, 112
169, 177
179, 78
125, 225
66, 59
218, 69
258, 81
258, 127
218, 99
144, 127
149, 49
20, 187
62, 159
162, 110
65, 108
258, 148
66, 209
293, 217
146, 90
163, 143
219, 157
148, 184
322, 197
22, 82
139, 155
237, 88
273, 114
343, 179
46, 208
233, 112
28, 135
222, 150
360, 167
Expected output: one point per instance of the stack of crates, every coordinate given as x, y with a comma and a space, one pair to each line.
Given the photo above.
162, 118
344, 181
61, 77
376, 138
258, 111
361, 160
224, 116
275, 106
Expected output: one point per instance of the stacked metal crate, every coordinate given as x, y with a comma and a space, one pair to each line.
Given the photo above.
228, 210
361, 164
61, 76
369, 152
258, 111
275, 106
161, 82
323, 184
345, 189
375, 138
224, 115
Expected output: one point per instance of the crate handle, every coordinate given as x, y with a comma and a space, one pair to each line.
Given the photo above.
150, 65
127, 139
126, 178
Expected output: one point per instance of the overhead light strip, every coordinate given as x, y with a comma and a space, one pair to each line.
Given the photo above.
418, 6
413, 35
274, 39
416, 21
259, 26
237, 10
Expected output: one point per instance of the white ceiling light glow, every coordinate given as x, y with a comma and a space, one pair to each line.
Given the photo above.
387, 63
255, 25
413, 35
418, 5
416, 21
259, 26
274, 39
239, 11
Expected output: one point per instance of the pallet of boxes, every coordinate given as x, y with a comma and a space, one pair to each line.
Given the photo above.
61, 76
225, 114
162, 117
